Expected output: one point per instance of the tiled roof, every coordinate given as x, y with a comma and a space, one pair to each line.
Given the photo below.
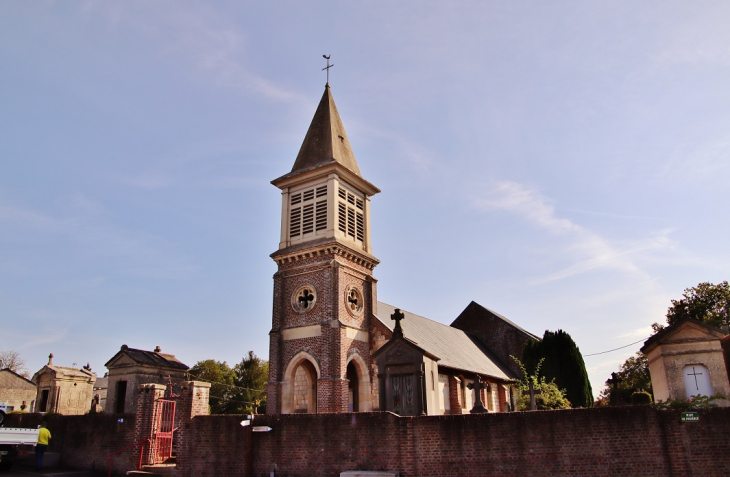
457, 349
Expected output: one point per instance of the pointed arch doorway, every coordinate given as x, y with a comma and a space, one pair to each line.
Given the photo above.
299, 389
359, 398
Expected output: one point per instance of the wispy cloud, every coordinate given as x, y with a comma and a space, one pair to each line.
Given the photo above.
26, 217
636, 334
215, 46
587, 249
136, 252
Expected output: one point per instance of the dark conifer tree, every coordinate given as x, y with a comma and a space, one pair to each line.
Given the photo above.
563, 363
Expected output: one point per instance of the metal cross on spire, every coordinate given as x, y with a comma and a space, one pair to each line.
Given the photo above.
327, 68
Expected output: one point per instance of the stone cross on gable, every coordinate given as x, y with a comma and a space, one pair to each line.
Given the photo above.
477, 387
397, 316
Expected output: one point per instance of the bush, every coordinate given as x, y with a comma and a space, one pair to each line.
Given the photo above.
641, 397
547, 394
695, 402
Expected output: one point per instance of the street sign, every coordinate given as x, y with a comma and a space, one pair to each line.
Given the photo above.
690, 417
245, 423
261, 429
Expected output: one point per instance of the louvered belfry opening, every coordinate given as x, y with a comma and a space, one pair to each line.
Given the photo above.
351, 218
308, 212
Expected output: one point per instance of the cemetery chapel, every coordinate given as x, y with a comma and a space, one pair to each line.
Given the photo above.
332, 344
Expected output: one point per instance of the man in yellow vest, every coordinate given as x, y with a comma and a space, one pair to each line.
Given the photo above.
44, 435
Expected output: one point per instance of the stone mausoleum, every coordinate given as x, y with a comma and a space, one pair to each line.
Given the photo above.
131, 368
688, 359
64, 390
327, 323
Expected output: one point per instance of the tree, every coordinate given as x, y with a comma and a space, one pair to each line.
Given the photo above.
563, 364
547, 394
633, 376
252, 374
222, 379
706, 302
11, 360
237, 390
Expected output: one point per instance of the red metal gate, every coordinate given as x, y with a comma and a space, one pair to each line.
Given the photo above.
164, 427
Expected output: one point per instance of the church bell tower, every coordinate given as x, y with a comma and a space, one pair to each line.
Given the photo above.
324, 290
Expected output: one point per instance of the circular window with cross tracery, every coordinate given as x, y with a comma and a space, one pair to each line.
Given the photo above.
354, 301
304, 299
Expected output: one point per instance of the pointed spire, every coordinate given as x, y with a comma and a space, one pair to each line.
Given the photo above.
326, 141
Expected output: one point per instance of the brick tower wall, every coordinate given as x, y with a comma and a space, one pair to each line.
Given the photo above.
330, 273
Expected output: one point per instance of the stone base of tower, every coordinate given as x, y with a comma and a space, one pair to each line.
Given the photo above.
273, 398
332, 396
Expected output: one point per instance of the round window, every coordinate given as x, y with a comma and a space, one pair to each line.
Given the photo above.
304, 299
354, 301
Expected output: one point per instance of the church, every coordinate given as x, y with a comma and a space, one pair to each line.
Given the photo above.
333, 347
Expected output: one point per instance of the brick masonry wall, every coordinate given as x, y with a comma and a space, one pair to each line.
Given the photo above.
503, 339
192, 403
84, 441
625, 441
330, 274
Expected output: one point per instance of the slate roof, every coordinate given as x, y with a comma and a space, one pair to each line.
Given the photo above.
455, 348
151, 358
326, 140
501, 317
9, 379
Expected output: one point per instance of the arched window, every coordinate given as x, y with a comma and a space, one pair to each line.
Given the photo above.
299, 389
353, 388
697, 380
305, 388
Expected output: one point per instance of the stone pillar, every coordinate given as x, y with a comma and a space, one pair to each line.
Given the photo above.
193, 401
455, 395
147, 409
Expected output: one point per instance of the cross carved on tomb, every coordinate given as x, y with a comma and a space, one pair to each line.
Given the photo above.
695, 374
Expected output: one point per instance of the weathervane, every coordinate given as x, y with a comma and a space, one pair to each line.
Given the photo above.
327, 68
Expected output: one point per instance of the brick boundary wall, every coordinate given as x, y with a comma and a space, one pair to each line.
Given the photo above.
626, 441
84, 441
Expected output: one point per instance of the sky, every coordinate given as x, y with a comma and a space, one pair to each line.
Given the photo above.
564, 164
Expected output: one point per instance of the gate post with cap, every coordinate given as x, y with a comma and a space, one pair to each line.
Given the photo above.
193, 401
148, 402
